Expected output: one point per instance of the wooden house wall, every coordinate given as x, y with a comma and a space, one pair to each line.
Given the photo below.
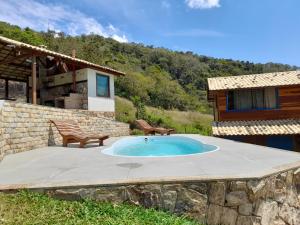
287, 142
288, 100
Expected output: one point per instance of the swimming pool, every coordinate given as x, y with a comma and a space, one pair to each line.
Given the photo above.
158, 146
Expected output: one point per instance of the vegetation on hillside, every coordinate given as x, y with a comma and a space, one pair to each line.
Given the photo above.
182, 121
30, 208
158, 76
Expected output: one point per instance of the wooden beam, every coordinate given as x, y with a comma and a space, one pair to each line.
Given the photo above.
7, 55
7, 73
33, 74
7, 61
2, 48
13, 79
20, 66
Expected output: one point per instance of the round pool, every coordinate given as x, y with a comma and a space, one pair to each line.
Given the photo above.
158, 146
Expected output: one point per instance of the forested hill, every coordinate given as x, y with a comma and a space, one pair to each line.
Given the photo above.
158, 76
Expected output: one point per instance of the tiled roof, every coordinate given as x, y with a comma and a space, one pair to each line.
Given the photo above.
258, 127
254, 80
59, 55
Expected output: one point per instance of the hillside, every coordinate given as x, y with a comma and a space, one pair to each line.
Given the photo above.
182, 121
158, 77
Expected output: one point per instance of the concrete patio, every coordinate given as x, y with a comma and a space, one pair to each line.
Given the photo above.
58, 166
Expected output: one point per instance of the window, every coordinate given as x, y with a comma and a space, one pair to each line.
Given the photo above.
102, 87
252, 99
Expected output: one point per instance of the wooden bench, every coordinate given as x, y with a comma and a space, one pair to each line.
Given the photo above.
148, 129
71, 133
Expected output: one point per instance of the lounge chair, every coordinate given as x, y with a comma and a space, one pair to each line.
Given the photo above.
148, 129
71, 133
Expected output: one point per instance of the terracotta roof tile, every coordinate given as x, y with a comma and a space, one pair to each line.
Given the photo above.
254, 80
258, 127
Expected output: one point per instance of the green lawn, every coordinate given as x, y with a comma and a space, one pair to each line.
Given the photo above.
31, 208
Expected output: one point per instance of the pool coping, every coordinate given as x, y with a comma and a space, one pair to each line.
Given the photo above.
160, 180
145, 181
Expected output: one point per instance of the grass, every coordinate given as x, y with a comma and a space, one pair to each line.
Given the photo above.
32, 209
181, 121
125, 110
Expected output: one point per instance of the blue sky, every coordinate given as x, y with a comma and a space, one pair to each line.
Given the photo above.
253, 30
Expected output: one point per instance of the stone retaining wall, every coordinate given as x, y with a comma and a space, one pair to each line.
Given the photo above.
24, 126
273, 200
2, 142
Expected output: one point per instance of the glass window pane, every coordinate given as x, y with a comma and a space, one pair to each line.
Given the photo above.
242, 99
258, 98
230, 100
270, 98
102, 85
252, 99
245, 99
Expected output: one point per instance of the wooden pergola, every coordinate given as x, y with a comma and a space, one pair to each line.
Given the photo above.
20, 61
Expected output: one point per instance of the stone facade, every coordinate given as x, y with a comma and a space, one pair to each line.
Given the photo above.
64, 90
24, 126
2, 141
273, 200
269, 201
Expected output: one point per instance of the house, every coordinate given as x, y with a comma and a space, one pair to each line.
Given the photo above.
39, 76
262, 109
38, 85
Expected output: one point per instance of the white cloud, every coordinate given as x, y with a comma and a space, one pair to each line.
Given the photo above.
58, 17
111, 28
202, 4
119, 38
194, 33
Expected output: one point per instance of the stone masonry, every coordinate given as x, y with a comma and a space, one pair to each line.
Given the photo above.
273, 200
24, 126
2, 142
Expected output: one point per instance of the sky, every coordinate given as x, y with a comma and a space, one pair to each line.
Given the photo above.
250, 30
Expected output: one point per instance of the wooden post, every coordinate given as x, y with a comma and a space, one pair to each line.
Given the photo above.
27, 90
33, 74
74, 72
6, 89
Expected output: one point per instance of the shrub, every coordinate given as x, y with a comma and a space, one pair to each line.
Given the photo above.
182, 121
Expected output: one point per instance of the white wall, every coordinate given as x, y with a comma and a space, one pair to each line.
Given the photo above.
96, 103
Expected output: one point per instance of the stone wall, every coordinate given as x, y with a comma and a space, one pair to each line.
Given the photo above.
64, 90
24, 126
2, 141
273, 200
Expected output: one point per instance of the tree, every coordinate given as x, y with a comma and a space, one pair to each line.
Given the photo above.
140, 107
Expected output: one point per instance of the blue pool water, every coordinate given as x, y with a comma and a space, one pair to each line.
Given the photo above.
158, 146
